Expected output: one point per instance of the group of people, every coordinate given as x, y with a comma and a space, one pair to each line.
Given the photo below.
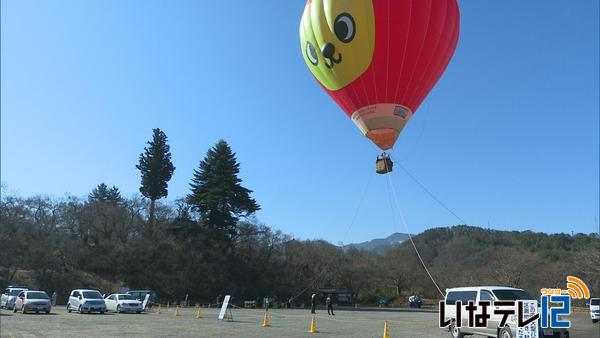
414, 301
313, 304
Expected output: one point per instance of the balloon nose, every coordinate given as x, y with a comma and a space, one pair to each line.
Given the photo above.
328, 50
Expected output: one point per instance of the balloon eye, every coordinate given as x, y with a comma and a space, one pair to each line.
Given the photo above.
344, 27
311, 53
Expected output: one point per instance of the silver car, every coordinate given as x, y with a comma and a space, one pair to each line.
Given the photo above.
89, 301
120, 302
32, 301
7, 300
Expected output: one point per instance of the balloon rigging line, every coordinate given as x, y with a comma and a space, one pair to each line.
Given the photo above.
309, 285
389, 176
393, 192
360, 203
387, 186
425, 111
429, 192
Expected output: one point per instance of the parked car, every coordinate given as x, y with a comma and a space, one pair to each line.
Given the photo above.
594, 305
491, 294
122, 302
32, 301
415, 301
383, 301
141, 294
7, 300
86, 301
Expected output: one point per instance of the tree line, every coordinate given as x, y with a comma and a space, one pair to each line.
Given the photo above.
209, 243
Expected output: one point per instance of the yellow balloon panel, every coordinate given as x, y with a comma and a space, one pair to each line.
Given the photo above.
337, 39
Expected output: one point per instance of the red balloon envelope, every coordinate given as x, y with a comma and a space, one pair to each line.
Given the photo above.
378, 59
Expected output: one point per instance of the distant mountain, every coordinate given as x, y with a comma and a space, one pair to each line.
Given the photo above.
380, 245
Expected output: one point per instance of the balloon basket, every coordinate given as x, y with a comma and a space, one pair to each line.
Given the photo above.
383, 164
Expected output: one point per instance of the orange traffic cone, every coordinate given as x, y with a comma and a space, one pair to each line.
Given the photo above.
386, 334
313, 324
266, 319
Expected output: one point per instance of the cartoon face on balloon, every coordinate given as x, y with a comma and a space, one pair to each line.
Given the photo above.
337, 40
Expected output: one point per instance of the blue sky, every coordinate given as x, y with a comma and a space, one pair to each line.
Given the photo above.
508, 137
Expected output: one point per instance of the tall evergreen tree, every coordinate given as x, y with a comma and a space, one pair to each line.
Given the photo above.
217, 193
156, 168
102, 193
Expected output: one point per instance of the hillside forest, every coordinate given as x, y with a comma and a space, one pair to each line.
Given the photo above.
209, 243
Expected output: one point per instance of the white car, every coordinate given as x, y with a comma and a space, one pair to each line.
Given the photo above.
33, 301
121, 302
86, 301
594, 305
8, 298
491, 294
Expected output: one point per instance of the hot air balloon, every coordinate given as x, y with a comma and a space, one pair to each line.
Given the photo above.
378, 59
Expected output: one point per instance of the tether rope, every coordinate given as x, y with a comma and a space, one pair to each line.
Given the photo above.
320, 274
395, 196
429, 192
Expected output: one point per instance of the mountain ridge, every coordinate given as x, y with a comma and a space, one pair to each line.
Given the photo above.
379, 245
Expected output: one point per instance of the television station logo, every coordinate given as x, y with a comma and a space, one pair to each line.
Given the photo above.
555, 304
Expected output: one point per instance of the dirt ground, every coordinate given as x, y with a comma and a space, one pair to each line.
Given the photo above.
246, 323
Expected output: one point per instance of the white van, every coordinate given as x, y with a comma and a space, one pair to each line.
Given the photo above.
594, 305
86, 301
491, 294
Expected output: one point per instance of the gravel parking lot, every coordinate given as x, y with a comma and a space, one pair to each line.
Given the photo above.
247, 323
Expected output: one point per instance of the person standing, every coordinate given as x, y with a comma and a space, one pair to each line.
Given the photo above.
313, 303
329, 306
54, 298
